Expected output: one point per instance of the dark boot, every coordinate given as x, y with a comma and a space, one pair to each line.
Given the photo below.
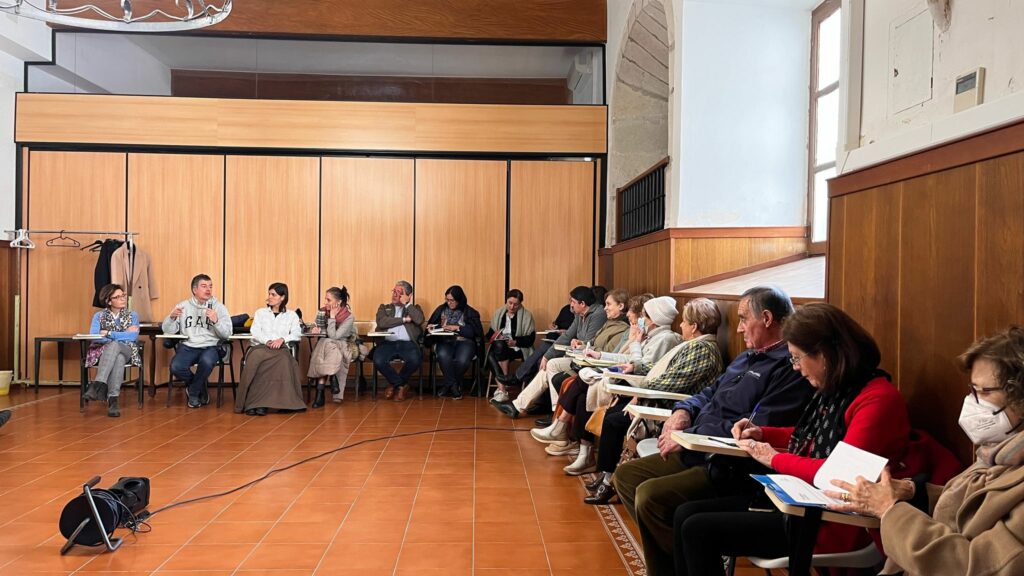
495, 367
335, 386
112, 410
92, 392
318, 402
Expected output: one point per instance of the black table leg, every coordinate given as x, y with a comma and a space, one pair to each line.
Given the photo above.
60, 366
84, 378
152, 367
39, 345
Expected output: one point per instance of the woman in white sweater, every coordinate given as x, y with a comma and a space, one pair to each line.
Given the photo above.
334, 353
271, 379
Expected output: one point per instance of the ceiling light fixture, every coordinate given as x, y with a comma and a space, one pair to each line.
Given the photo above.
187, 15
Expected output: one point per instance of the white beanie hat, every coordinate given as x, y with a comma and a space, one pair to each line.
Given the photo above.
661, 310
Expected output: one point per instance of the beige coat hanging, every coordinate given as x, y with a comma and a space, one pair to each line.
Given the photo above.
142, 287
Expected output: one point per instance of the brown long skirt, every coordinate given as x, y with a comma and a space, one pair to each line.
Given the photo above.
270, 379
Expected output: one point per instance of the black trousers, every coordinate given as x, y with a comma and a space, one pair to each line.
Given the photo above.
706, 530
574, 402
500, 351
613, 434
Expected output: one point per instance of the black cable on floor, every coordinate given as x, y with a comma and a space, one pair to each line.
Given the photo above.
148, 515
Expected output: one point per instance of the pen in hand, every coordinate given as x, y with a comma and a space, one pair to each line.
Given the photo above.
750, 419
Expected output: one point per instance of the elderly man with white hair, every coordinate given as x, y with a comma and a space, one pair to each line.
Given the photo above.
650, 339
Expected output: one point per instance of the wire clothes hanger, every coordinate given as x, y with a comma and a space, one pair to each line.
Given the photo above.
63, 241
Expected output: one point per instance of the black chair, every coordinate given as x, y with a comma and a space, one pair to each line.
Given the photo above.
139, 381
225, 361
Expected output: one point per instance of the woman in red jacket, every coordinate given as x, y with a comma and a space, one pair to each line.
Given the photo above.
855, 403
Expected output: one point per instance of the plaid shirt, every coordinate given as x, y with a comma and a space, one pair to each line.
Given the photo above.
694, 367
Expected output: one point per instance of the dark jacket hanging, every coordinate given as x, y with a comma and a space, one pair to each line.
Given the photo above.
101, 276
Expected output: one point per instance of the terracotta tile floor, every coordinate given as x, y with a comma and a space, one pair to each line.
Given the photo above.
486, 503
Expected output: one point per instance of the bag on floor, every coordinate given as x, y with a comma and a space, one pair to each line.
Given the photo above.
596, 421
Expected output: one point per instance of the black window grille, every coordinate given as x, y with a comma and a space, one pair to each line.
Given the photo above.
641, 203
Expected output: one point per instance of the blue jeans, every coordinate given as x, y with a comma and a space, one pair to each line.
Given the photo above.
454, 356
204, 360
406, 351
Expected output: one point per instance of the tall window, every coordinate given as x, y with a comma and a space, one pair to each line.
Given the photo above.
824, 136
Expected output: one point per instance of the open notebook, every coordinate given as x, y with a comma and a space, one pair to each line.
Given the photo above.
845, 463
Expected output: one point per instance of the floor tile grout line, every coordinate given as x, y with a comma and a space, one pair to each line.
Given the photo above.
533, 500
341, 524
242, 424
408, 521
299, 495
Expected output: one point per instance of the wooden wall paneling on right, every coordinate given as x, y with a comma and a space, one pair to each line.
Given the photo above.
871, 285
936, 293
1000, 244
460, 231
60, 280
551, 241
176, 202
367, 240
272, 231
836, 246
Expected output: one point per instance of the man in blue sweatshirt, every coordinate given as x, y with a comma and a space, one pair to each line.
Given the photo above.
207, 324
653, 487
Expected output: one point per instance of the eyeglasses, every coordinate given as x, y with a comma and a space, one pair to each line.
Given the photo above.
795, 360
974, 390
452, 300
118, 296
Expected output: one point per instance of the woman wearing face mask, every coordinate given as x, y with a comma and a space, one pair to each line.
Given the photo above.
854, 402
271, 379
977, 525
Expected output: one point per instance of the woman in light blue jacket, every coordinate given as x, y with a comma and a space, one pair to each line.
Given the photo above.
118, 347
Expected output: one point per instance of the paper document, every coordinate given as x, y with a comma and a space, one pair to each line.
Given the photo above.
441, 333
845, 463
710, 444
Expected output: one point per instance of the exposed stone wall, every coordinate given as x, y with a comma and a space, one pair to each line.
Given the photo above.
640, 93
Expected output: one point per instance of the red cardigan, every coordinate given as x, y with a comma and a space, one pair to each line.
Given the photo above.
876, 421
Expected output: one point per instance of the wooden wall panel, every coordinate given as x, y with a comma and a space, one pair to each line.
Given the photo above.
292, 124
871, 284
646, 268
936, 291
1000, 244
835, 267
460, 231
367, 210
551, 236
176, 201
272, 231
71, 191
698, 258
270, 86
534, 20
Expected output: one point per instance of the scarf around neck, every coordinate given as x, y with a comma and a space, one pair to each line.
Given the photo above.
823, 423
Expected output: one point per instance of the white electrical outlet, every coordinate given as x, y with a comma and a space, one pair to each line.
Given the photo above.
969, 90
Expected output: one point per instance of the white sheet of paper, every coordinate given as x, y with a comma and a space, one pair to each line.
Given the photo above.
845, 463
801, 491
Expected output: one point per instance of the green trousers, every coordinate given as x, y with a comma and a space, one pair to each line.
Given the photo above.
651, 489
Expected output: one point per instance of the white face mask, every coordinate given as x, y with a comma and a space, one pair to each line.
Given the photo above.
984, 422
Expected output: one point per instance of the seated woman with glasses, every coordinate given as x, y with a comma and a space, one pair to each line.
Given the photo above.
854, 403
455, 352
117, 349
977, 525
271, 379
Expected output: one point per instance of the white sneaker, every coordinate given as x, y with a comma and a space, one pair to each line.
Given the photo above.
557, 432
500, 396
586, 462
563, 449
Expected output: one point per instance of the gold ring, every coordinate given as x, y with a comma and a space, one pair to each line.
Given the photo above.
846, 496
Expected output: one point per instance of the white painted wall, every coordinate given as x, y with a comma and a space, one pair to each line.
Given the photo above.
742, 156
20, 40
988, 33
